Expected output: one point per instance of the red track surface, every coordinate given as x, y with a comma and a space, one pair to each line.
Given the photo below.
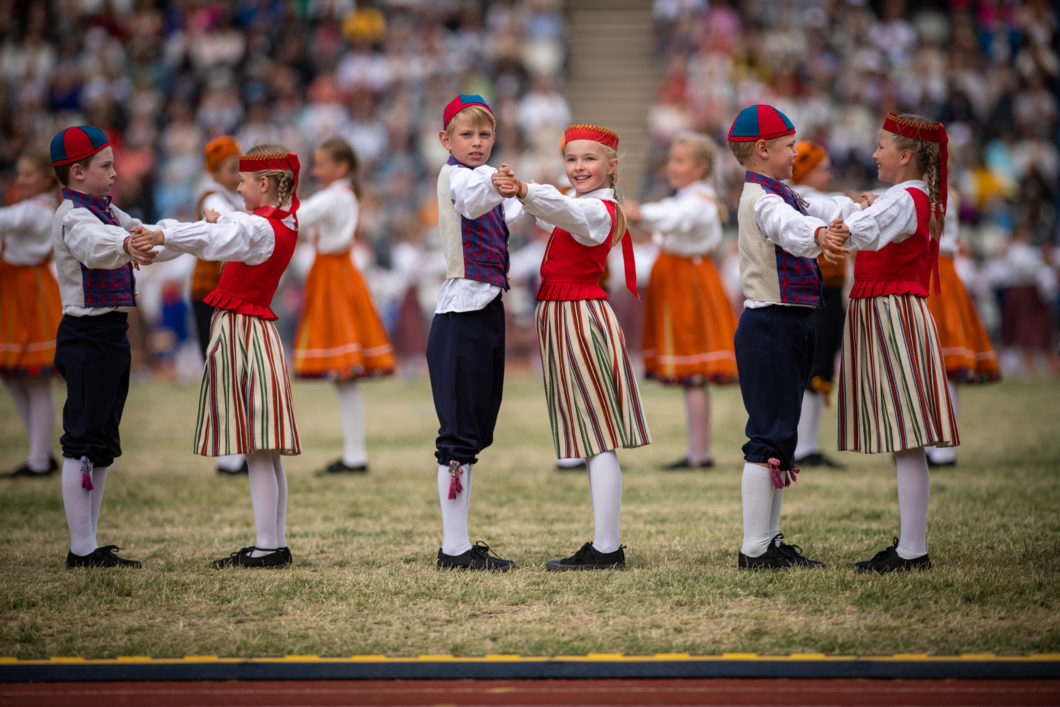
583, 693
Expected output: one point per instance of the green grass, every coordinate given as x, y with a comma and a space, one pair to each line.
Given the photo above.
364, 580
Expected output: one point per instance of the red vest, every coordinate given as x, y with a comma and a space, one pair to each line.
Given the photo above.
900, 268
248, 289
572, 271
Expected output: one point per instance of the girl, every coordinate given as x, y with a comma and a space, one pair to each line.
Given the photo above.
245, 404
30, 307
966, 349
892, 381
340, 336
688, 321
590, 387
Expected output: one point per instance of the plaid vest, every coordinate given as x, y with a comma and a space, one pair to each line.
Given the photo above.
483, 241
103, 288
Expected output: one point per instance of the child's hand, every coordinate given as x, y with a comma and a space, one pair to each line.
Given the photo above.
866, 198
839, 228
210, 216
508, 185
831, 243
144, 239
632, 210
138, 256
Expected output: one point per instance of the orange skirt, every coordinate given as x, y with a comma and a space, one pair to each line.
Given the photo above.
966, 349
340, 335
30, 310
688, 323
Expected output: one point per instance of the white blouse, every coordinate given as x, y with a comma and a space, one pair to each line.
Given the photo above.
25, 230
585, 217
333, 211
890, 219
236, 237
686, 224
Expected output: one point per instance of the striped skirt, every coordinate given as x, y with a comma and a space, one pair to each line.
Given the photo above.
966, 348
688, 323
340, 335
245, 402
30, 310
590, 388
892, 382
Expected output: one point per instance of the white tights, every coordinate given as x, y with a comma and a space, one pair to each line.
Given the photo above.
36, 407
914, 492
268, 495
82, 505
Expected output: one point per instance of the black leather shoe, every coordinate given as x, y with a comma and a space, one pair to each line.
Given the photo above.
25, 471
888, 560
589, 558
242, 469
101, 557
479, 557
686, 463
794, 554
817, 459
280, 557
338, 467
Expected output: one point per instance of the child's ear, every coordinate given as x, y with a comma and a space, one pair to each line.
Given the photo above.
443, 137
762, 148
904, 157
77, 171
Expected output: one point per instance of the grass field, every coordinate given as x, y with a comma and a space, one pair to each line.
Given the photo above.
364, 580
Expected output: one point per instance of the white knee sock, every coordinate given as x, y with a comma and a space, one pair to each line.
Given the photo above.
351, 412
605, 488
809, 424
774, 513
281, 500
19, 392
914, 492
99, 480
264, 497
77, 503
756, 490
697, 410
230, 462
945, 455
41, 423
455, 539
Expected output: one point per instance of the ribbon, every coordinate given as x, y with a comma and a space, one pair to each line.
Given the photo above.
86, 474
781, 479
455, 487
629, 264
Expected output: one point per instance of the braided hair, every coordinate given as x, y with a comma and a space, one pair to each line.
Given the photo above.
927, 156
284, 178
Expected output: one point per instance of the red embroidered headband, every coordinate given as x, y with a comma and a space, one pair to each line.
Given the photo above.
279, 161
927, 132
590, 132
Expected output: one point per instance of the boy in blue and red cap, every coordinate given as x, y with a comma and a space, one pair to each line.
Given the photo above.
780, 235
94, 259
465, 348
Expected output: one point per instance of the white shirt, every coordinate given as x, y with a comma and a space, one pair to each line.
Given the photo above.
686, 224
333, 211
890, 219
473, 195
585, 217
26, 229
220, 199
236, 237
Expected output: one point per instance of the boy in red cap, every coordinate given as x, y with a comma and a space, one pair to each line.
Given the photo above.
780, 235
94, 259
465, 348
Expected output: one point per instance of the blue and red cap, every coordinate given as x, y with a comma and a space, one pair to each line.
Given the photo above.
76, 143
462, 101
760, 122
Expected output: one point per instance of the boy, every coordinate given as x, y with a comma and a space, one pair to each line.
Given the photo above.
778, 241
219, 194
465, 348
94, 260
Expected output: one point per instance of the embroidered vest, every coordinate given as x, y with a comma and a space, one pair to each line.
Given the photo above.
103, 288
900, 268
572, 271
249, 289
475, 249
768, 273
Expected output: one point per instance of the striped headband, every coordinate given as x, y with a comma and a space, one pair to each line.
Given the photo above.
278, 161
595, 133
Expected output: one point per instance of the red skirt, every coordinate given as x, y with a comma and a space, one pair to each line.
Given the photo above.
688, 323
966, 349
340, 335
30, 310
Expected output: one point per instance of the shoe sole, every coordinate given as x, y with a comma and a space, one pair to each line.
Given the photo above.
553, 566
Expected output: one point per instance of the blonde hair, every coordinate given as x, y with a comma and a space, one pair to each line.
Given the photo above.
284, 178
743, 150
612, 182
927, 158
475, 114
704, 151
42, 163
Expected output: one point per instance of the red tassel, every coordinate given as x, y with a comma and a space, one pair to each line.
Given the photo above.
455, 487
781, 479
86, 474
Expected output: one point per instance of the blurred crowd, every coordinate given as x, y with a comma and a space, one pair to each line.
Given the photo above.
162, 78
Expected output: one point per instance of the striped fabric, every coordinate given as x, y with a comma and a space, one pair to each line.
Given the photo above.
30, 310
590, 387
245, 402
892, 383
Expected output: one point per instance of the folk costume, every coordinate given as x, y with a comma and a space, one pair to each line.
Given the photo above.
96, 285
30, 309
590, 387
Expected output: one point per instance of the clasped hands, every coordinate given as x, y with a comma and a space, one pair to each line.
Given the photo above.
508, 185
833, 241
140, 245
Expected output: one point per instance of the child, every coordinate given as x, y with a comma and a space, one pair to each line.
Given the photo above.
245, 404
590, 388
465, 347
688, 321
94, 258
219, 194
810, 175
340, 336
780, 234
30, 307
966, 349
892, 381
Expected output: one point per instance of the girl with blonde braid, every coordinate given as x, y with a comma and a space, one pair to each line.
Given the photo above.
246, 407
590, 387
892, 383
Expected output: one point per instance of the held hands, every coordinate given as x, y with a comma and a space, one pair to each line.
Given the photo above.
139, 246
210, 216
832, 241
508, 185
